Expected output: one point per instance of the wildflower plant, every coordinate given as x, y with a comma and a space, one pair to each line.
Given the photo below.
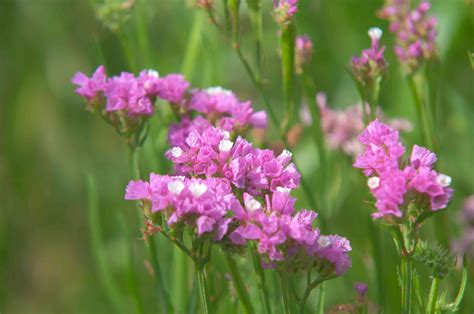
223, 194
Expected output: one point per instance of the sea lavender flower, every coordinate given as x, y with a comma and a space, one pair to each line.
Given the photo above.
371, 65
415, 32
341, 127
200, 204
172, 88
210, 152
284, 10
303, 52
396, 188
223, 107
91, 88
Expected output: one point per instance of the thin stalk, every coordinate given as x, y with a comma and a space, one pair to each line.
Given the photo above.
256, 20
201, 281
239, 285
150, 242
285, 293
321, 299
193, 46
103, 271
375, 237
287, 46
131, 272
407, 284
433, 295
264, 299
164, 303
415, 83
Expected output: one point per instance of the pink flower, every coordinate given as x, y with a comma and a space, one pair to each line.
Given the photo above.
172, 87
90, 88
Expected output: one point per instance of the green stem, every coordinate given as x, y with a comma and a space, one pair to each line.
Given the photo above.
193, 46
415, 82
433, 295
103, 270
239, 285
163, 298
375, 237
201, 280
407, 284
321, 299
287, 46
285, 292
264, 299
256, 20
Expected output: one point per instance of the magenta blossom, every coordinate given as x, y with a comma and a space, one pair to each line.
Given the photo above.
285, 10
390, 183
90, 88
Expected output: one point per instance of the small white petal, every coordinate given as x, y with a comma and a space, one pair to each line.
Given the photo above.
153, 73
253, 205
443, 180
324, 241
175, 187
217, 90
283, 190
286, 153
373, 182
375, 33
176, 152
197, 189
225, 145
226, 135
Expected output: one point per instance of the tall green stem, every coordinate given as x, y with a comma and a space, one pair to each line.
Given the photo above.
416, 83
201, 281
433, 295
287, 46
321, 299
285, 292
256, 20
407, 284
264, 299
239, 285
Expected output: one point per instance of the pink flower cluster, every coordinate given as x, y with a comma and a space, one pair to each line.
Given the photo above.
371, 64
285, 10
210, 152
341, 127
235, 194
129, 94
415, 31
199, 203
396, 188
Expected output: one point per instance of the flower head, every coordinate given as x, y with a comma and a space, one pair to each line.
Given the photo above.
284, 10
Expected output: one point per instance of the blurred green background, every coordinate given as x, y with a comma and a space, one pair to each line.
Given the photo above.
49, 143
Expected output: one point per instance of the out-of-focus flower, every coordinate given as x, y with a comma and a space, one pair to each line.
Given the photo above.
284, 10
415, 32
303, 52
396, 188
465, 244
341, 127
371, 65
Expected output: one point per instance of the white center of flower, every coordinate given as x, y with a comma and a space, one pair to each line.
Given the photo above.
253, 205
153, 73
225, 145
175, 187
217, 90
197, 189
283, 190
226, 135
286, 153
373, 182
375, 33
443, 180
176, 152
324, 241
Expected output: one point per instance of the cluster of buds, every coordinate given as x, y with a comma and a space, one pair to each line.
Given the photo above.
205, 4
341, 127
284, 10
415, 32
414, 190
303, 52
371, 65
